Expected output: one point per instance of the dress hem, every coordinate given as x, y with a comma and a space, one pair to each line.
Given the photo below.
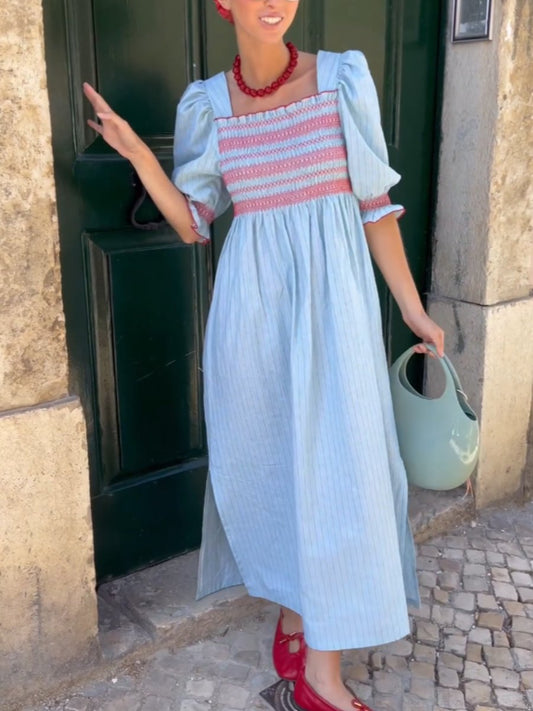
276, 597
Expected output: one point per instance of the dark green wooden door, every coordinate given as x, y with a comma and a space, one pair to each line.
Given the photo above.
136, 301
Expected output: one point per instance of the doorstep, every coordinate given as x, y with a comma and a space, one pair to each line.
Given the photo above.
157, 607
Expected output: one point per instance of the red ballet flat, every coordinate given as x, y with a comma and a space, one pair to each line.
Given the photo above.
286, 663
308, 700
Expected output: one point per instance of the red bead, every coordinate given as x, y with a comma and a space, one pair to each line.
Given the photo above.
267, 90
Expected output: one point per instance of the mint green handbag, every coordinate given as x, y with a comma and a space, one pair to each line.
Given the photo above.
439, 437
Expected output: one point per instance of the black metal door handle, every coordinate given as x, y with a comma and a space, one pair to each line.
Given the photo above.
140, 197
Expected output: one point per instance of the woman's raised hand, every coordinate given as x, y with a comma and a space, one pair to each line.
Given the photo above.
114, 130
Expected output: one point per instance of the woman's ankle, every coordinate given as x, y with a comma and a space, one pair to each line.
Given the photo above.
323, 669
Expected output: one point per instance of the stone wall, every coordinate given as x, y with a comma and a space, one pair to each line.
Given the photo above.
481, 287
47, 591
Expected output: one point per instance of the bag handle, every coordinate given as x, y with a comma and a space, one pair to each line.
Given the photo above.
453, 384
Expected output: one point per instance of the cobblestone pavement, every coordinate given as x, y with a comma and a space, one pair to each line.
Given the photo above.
471, 645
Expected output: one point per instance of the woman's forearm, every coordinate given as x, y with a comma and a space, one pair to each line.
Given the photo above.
169, 200
386, 246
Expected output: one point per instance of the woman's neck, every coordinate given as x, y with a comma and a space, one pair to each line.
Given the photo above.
261, 64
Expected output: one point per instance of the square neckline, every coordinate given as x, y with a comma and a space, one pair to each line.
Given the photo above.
316, 96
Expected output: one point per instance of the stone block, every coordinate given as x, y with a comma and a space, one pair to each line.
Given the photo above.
473, 653
442, 615
505, 678
522, 579
48, 614
505, 591
386, 682
491, 620
522, 640
449, 581
527, 679
500, 575
483, 246
494, 558
510, 699
474, 569
33, 359
474, 556
422, 688
514, 608
424, 653
480, 339
200, 688
525, 594
486, 602
234, 696
476, 584
516, 562
476, 672
455, 644
448, 677
498, 657
522, 624
464, 621
480, 635
523, 659
451, 699
500, 639
477, 692
427, 632
462, 209
514, 550
464, 601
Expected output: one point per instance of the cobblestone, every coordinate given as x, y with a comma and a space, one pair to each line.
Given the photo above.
471, 646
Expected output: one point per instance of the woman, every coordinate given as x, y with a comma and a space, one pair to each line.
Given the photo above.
306, 501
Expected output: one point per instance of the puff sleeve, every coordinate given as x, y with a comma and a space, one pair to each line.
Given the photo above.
368, 163
196, 170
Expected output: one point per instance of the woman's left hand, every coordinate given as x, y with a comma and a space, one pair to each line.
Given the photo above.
426, 329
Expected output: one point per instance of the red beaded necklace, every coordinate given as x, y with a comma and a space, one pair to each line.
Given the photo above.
243, 86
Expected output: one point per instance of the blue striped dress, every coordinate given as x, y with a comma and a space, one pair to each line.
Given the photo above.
306, 501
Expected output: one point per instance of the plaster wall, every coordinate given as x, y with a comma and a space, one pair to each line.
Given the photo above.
33, 365
483, 247
47, 616
47, 590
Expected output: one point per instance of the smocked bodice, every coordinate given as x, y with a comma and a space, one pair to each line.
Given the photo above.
286, 156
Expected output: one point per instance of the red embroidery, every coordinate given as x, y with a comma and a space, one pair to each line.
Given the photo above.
205, 212
316, 124
374, 203
333, 187
274, 152
326, 175
278, 168
255, 115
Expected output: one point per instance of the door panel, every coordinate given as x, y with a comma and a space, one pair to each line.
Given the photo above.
148, 347
136, 301
141, 59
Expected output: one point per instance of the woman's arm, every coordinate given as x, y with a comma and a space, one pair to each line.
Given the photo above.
120, 136
386, 246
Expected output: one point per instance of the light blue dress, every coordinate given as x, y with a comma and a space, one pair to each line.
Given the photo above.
306, 500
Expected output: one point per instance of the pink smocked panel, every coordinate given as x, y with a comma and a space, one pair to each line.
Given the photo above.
283, 157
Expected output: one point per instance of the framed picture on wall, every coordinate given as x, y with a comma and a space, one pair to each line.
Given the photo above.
472, 20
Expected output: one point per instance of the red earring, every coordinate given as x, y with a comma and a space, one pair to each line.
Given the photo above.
226, 14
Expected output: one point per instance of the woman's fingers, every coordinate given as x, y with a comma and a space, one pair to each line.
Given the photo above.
97, 100
436, 340
95, 126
